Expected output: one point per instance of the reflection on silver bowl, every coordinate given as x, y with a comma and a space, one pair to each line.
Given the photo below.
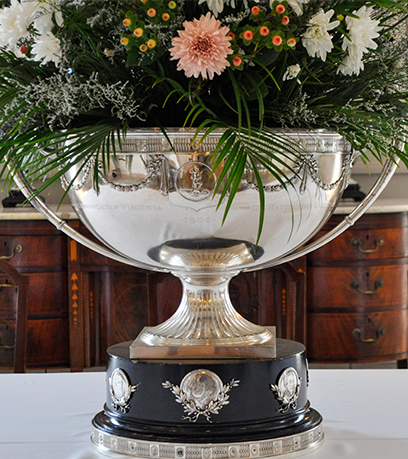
156, 206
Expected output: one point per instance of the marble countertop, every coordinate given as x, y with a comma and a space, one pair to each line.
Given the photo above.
380, 206
26, 212
66, 212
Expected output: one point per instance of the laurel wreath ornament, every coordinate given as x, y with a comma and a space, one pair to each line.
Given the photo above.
286, 404
193, 412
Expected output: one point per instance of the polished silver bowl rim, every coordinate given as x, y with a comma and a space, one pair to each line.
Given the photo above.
385, 176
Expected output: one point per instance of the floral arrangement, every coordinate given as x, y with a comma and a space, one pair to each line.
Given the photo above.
90, 69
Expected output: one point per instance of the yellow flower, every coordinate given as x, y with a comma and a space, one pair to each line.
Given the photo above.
151, 43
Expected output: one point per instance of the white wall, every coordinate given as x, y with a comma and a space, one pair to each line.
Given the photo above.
367, 176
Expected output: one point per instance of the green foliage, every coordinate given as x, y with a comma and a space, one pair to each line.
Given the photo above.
116, 71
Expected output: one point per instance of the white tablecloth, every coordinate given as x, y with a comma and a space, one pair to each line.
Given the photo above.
47, 416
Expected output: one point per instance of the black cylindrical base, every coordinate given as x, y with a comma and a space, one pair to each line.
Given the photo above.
208, 408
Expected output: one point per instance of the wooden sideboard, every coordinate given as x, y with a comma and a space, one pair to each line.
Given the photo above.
111, 302
357, 292
38, 250
81, 302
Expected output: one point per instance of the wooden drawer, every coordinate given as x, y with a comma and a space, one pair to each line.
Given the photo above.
360, 289
372, 238
45, 251
358, 245
357, 337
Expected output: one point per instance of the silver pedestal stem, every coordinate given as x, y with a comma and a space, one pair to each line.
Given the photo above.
207, 320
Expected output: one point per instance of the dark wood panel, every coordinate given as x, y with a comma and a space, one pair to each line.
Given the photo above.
374, 237
48, 343
7, 341
359, 283
35, 227
44, 251
124, 306
334, 337
48, 294
357, 289
43, 259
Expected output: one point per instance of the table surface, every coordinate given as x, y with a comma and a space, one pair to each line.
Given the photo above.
48, 416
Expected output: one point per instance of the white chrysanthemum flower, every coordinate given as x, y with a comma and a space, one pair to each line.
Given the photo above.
317, 39
47, 49
47, 10
15, 21
361, 32
217, 6
296, 5
291, 72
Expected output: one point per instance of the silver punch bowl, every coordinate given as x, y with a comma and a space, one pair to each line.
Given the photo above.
157, 206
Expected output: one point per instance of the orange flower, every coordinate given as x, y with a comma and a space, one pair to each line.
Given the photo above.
248, 35
151, 43
264, 31
277, 40
280, 9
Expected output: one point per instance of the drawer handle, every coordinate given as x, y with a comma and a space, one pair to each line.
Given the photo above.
17, 249
378, 284
359, 334
357, 243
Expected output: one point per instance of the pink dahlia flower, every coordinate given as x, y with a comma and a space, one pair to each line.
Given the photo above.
202, 47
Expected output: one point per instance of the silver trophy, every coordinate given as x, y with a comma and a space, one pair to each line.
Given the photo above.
207, 381
157, 207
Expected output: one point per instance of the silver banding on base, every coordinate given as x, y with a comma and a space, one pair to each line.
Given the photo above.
288, 446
